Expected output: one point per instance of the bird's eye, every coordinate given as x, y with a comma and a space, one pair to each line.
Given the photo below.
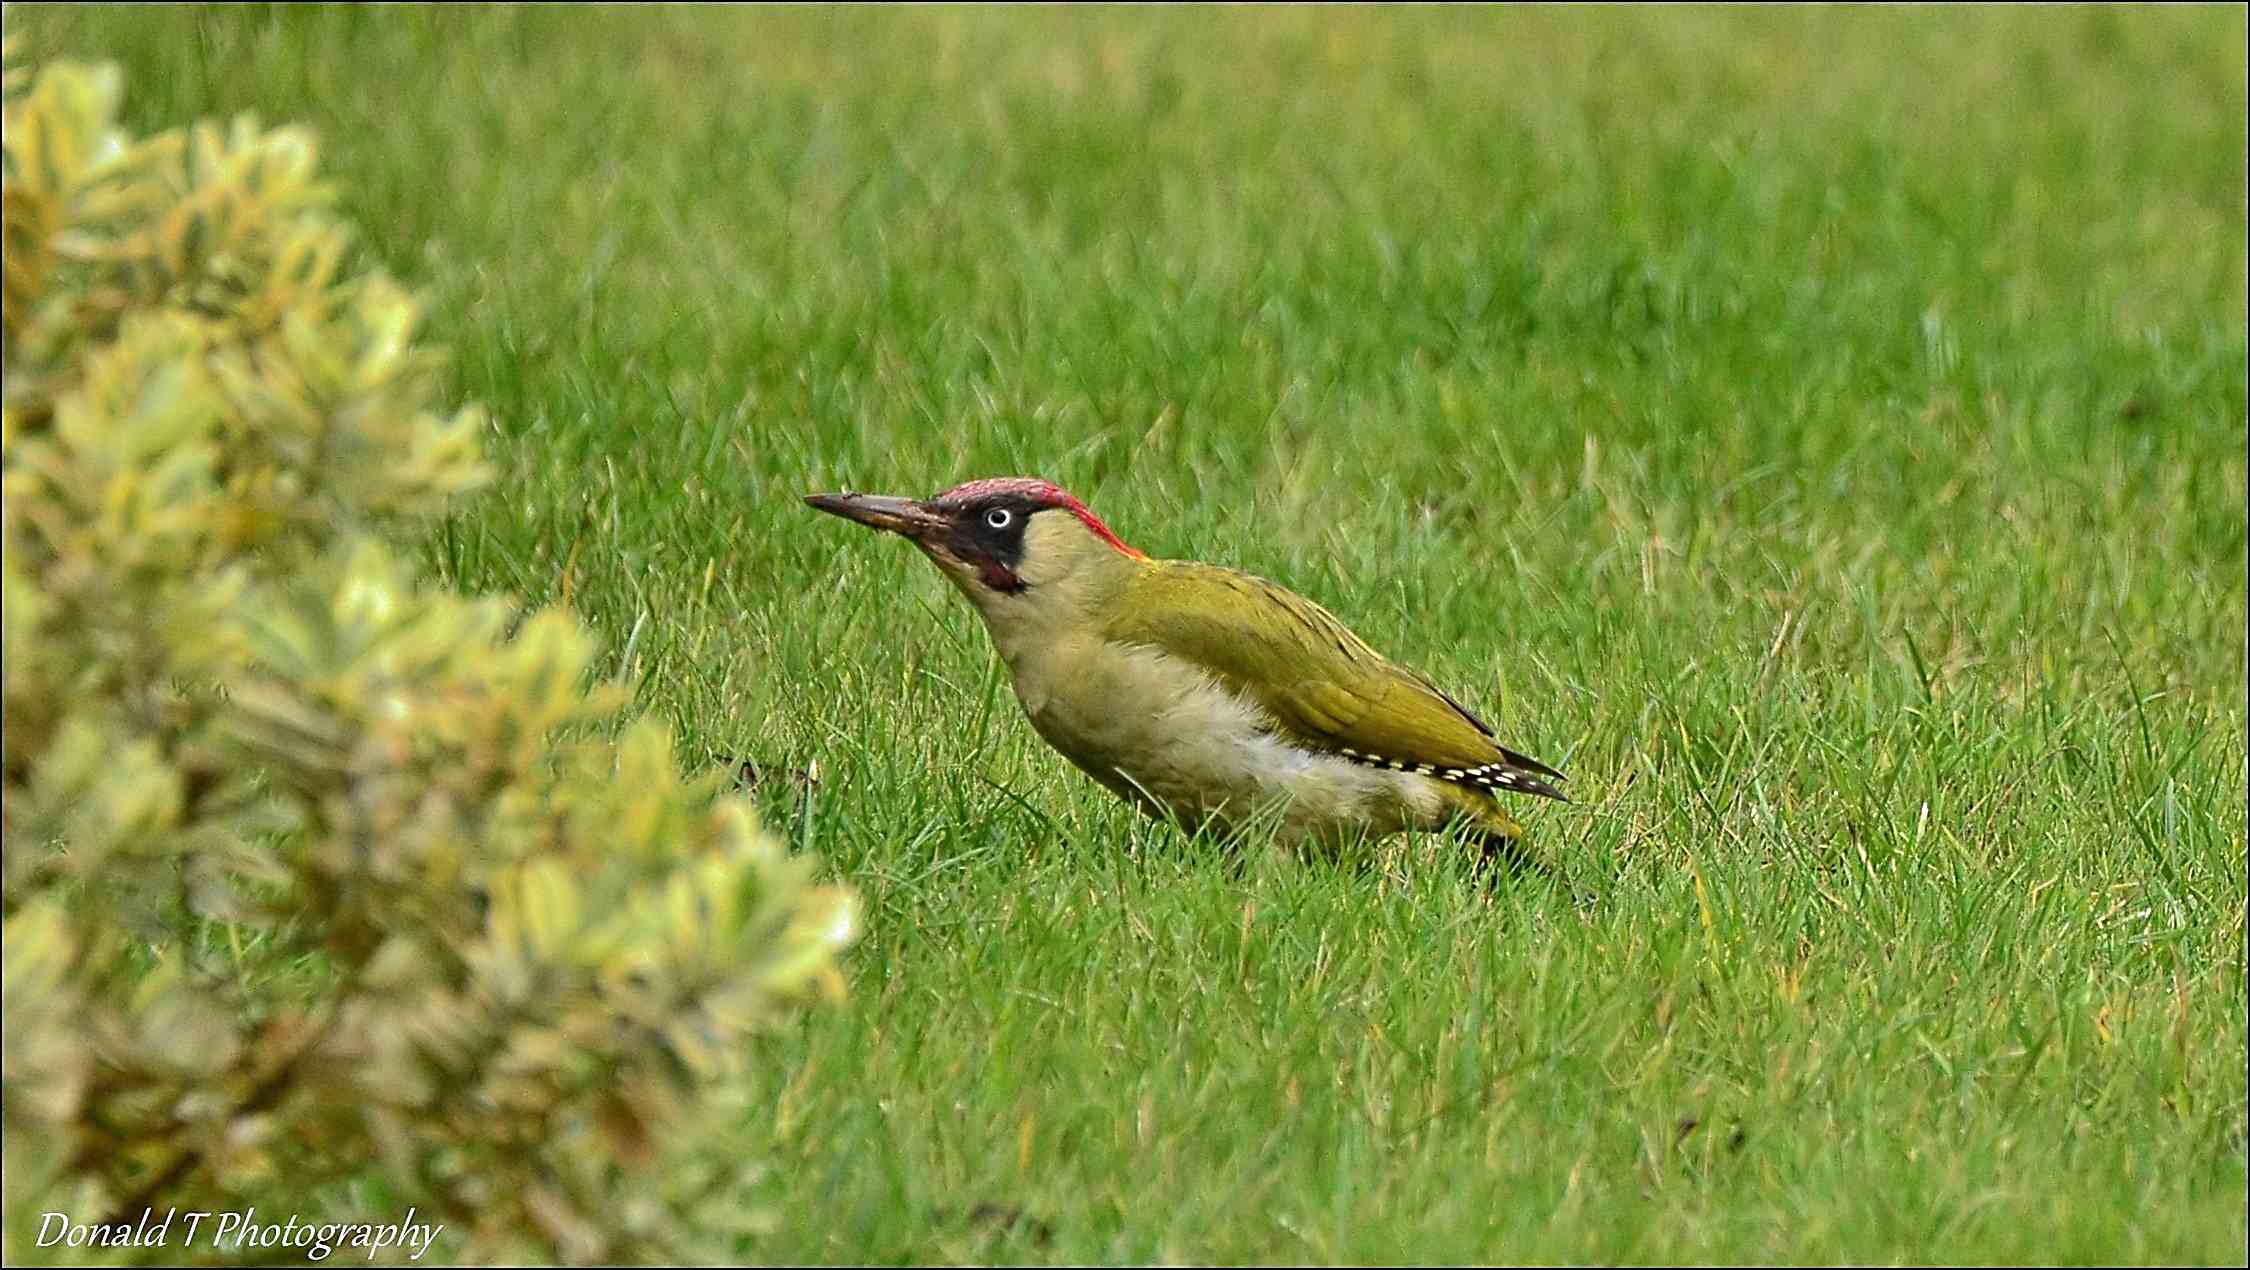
999, 518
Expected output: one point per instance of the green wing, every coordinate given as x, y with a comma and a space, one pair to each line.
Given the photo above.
1321, 684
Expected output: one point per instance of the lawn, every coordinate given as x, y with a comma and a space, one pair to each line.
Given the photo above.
1821, 432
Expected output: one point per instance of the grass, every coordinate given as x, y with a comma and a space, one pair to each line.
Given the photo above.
1821, 432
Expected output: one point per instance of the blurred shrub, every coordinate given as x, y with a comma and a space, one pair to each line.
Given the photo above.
321, 895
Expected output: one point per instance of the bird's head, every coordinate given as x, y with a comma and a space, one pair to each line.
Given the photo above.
1010, 543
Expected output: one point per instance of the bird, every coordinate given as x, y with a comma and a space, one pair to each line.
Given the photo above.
1204, 695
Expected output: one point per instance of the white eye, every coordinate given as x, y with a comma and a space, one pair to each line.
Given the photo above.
999, 518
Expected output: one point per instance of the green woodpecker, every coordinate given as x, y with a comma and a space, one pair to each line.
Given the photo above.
1201, 694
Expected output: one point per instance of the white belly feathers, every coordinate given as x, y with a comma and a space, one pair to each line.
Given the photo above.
1169, 738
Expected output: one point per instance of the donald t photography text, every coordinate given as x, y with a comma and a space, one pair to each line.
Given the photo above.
229, 1232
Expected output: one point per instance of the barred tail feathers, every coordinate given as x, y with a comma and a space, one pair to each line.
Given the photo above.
1513, 772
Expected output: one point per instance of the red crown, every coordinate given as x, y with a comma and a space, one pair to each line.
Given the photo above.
1045, 494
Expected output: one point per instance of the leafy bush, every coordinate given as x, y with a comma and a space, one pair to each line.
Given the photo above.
324, 892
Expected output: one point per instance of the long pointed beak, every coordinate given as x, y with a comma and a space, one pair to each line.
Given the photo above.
899, 515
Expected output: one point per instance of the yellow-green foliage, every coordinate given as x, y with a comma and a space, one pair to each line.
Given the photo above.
321, 895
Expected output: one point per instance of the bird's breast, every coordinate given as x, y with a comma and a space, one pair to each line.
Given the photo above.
1169, 738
